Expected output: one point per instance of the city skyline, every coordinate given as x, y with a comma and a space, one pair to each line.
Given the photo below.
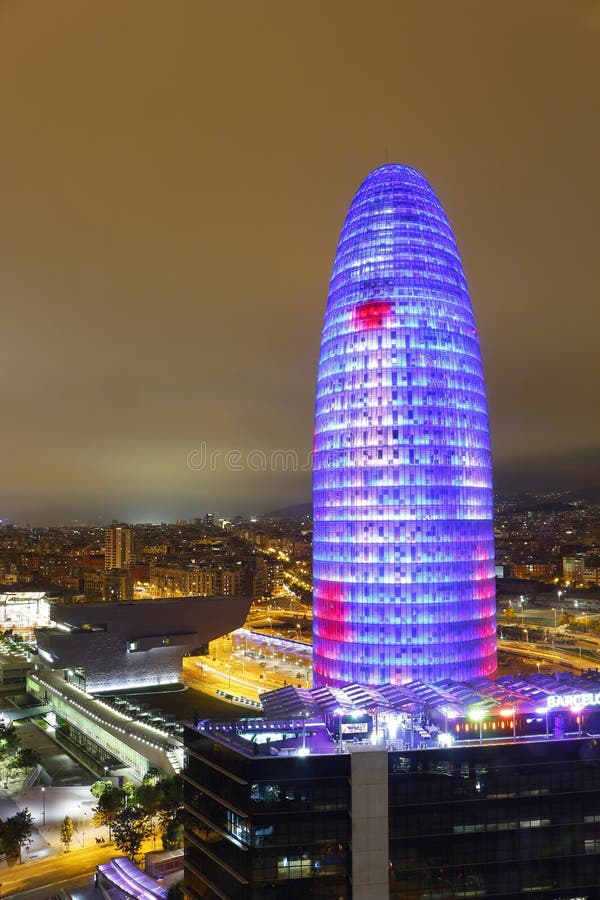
165, 232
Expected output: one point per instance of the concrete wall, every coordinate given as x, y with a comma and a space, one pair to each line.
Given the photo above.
370, 824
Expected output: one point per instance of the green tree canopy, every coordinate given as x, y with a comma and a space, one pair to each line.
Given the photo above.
150, 797
131, 827
9, 740
15, 833
172, 799
66, 832
173, 836
99, 787
25, 759
110, 804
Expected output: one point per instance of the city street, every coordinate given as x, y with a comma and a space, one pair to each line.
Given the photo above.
40, 879
246, 664
544, 653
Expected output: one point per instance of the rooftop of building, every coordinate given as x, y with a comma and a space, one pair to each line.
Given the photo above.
416, 716
38, 587
8, 658
137, 734
124, 877
151, 601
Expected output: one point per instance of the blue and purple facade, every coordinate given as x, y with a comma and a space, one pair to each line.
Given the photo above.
403, 559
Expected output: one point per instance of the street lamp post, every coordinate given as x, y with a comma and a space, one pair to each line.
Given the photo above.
43, 806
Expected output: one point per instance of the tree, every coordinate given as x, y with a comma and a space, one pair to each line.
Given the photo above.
150, 797
131, 827
9, 740
172, 800
173, 836
129, 789
66, 832
151, 776
99, 787
110, 804
15, 833
25, 759
510, 614
565, 618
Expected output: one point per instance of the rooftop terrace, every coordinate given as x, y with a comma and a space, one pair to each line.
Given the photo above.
416, 716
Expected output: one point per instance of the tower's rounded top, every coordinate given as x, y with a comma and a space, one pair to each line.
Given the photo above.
395, 232
396, 170
398, 180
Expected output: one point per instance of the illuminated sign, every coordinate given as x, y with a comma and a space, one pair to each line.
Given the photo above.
579, 700
355, 727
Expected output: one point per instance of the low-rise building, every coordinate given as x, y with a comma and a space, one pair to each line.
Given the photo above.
109, 646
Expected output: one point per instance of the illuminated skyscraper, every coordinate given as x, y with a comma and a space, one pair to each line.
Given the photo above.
402, 492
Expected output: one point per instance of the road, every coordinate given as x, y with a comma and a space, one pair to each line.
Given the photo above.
247, 664
543, 652
50, 873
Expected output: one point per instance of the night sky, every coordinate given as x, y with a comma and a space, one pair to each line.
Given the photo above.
173, 181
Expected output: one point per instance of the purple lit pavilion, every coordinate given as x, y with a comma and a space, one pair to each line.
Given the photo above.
403, 559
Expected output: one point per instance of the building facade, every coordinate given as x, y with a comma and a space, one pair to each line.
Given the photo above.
111, 646
118, 546
171, 580
403, 546
290, 808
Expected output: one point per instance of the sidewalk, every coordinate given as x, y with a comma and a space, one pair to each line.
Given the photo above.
48, 809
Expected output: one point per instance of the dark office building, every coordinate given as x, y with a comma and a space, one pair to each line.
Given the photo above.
343, 806
261, 825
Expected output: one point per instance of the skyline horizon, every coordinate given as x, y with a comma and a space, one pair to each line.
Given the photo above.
102, 520
164, 274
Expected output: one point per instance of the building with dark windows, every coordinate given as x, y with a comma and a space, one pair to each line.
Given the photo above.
403, 545
416, 793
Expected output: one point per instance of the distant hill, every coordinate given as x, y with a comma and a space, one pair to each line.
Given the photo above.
586, 495
299, 511
581, 495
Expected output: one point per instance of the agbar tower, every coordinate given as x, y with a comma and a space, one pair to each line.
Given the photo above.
403, 564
